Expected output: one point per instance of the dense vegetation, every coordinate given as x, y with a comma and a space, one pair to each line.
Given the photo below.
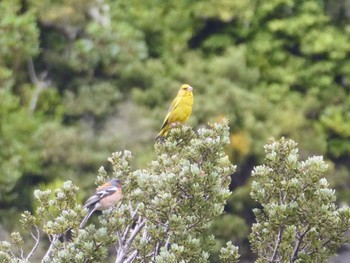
82, 79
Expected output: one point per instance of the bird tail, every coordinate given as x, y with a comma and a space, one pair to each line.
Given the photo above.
162, 134
159, 137
89, 213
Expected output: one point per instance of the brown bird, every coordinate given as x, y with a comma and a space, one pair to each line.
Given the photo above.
106, 196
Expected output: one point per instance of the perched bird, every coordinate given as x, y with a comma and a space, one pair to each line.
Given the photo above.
179, 110
105, 197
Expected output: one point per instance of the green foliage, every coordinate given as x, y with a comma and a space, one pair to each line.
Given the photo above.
109, 68
84, 101
165, 214
57, 212
299, 220
229, 254
294, 49
19, 153
18, 34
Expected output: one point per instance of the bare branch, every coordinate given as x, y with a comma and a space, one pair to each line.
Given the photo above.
122, 251
131, 209
12, 254
132, 257
133, 217
120, 243
326, 242
22, 253
37, 240
294, 255
32, 73
278, 243
167, 242
134, 214
126, 233
156, 251
40, 84
137, 229
48, 252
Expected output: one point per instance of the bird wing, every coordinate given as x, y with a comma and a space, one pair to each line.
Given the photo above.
100, 194
173, 106
174, 103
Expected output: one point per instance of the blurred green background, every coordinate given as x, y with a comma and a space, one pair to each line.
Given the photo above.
80, 79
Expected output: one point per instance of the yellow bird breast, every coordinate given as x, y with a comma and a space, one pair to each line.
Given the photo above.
179, 111
183, 110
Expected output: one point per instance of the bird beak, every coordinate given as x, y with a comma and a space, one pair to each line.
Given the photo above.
189, 88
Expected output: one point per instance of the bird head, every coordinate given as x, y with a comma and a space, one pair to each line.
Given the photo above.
185, 88
116, 182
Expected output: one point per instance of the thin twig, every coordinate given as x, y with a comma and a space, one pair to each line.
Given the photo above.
122, 239
200, 220
279, 235
126, 232
40, 84
157, 248
133, 213
278, 242
133, 217
120, 243
131, 257
32, 74
134, 233
130, 207
122, 252
139, 220
326, 242
281, 197
37, 240
48, 252
294, 255
22, 253
12, 254
156, 251
150, 255
167, 242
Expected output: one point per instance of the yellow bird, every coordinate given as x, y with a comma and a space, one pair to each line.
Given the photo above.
179, 110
